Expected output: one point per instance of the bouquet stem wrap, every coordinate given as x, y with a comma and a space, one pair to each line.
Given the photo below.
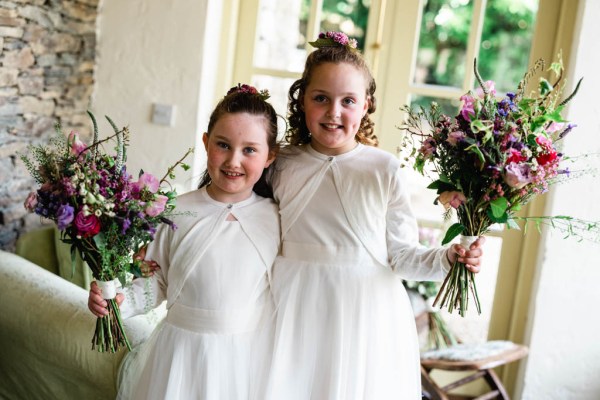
109, 335
454, 292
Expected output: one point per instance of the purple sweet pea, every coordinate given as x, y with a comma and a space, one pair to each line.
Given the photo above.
468, 108
64, 216
517, 175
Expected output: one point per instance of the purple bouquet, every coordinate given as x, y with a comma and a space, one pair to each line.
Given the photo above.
493, 157
101, 210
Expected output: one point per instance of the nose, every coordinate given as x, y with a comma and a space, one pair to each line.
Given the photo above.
233, 159
333, 110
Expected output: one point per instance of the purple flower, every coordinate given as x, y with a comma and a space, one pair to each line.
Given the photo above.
455, 137
517, 175
126, 225
428, 148
567, 130
64, 216
468, 108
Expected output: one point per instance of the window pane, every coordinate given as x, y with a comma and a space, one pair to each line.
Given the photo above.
448, 106
443, 42
506, 42
280, 35
348, 16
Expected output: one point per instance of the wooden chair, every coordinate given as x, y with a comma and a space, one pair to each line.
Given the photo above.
481, 367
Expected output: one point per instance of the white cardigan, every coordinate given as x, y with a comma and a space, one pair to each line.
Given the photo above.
374, 199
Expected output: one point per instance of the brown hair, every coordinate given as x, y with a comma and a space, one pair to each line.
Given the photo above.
244, 102
298, 133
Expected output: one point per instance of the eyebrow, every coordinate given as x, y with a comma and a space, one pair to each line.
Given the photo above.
223, 138
321, 91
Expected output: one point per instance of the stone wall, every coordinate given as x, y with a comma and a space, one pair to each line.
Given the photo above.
47, 58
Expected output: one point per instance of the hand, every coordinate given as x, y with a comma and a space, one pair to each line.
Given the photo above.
147, 267
471, 257
97, 304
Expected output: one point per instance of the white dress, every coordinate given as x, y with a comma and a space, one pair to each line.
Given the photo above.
215, 342
345, 328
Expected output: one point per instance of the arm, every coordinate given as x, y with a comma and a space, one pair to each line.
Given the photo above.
410, 259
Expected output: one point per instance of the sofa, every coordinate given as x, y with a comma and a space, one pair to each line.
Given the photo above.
46, 327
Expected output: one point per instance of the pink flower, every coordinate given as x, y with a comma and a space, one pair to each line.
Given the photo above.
157, 206
31, 201
455, 137
146, 181
555, 127
77, 146
548, 154
468, 108
452, 199
490, 86
87, 225
515, 156
517, 175
428, 147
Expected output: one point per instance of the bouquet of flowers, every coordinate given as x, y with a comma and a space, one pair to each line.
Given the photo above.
488, 161
102, 212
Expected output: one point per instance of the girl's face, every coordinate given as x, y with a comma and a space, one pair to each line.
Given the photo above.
237, 153
334, 103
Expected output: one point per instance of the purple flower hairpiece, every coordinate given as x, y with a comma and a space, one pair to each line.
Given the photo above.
243, 88
334, 39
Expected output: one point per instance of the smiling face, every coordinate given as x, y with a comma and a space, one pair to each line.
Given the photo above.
334, 103
237, 152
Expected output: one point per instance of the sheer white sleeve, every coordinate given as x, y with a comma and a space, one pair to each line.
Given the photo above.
407, 257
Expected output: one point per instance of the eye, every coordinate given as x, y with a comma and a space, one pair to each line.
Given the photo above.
250, 150
320, 98
222, 145
349, 101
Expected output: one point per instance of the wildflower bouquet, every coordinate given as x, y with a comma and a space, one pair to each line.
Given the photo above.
100, 210
488, 161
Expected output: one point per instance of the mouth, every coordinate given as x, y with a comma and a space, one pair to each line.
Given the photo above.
232, 174
332, 126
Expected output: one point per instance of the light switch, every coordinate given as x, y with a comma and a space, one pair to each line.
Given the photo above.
163, 114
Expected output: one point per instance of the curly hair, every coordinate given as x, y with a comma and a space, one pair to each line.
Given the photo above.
298, 133
246, 102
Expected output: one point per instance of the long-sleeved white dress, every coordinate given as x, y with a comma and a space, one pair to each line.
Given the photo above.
215, 342
345, 328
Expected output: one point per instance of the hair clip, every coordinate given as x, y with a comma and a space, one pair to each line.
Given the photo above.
334, 39
243, 88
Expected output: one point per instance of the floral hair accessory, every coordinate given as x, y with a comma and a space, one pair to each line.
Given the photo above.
334, 39
243, 88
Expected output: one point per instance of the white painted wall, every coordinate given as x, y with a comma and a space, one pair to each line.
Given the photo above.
156, 51
564, 360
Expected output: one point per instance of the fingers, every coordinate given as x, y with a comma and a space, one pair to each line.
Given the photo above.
472, 257
97, 304
141, 254
148, 267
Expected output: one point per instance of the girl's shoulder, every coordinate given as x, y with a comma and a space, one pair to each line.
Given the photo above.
374, 157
